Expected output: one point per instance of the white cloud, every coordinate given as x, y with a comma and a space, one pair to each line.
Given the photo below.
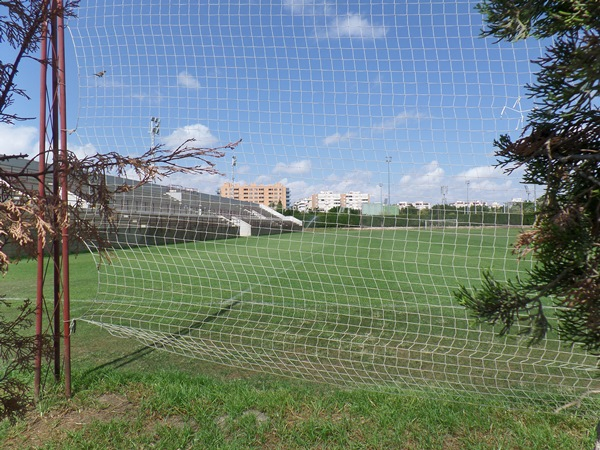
199, 133
294, 168
377, 82
298, 189
332, 23
482, 172
242, 169
188, 81
337, 138
205, 183
261, 179
307, 7
429, 174
397, 120
355, 181
19, 139
485, 183
490, 181
81, 151
415, 183
354, 26
107, 81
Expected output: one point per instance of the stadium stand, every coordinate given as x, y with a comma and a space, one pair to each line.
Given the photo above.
153, 214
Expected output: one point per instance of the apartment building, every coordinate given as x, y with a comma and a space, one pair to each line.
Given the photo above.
325, 200
355, 200
264, 194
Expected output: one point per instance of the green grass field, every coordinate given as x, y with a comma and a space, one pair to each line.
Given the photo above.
251, 309
354, 307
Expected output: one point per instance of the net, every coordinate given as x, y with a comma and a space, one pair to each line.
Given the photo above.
362, 196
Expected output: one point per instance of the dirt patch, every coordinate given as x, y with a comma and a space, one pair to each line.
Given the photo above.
41, 428
258, 415
52, 427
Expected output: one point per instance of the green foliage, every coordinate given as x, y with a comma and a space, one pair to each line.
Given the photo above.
518, 214
514, 20
500, 303
17, 349
560, 149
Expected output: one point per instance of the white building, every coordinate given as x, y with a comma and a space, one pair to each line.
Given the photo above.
355, 200
422, 205
463, 204
325, 200
303, 205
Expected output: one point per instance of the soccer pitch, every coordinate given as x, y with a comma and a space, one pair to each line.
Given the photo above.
352, 307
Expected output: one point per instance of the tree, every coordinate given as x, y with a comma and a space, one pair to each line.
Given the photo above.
21, 25
20, 28
27, 215
16, 356
559, 149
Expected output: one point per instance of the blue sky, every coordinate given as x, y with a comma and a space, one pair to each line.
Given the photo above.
320, 92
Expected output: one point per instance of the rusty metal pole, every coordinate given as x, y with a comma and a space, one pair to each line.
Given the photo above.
39, 306
64, 199
56, 247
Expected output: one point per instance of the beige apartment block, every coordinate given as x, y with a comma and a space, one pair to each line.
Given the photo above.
265, 194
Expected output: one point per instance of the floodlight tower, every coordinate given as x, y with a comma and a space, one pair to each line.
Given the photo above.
388, 160
444, 191
233, 164
154, 129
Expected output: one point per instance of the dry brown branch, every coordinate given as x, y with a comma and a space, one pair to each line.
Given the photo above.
25, 215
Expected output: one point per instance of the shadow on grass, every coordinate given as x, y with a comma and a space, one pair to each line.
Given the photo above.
147, 349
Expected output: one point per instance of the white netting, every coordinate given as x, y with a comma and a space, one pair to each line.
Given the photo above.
397, 100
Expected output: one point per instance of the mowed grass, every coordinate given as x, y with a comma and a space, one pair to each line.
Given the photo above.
292, 315
167, 408
355, 307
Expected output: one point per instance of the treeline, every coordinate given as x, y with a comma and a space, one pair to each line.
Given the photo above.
439, 216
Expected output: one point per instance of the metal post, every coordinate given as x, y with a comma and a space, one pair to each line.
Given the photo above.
64, 199
53, 117
56, 247
388, 160
444, 191
39, 305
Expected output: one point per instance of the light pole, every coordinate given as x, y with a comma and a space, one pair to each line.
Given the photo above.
233, 164
444, 191
154, 129
468, 204
388, 160
381, 194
